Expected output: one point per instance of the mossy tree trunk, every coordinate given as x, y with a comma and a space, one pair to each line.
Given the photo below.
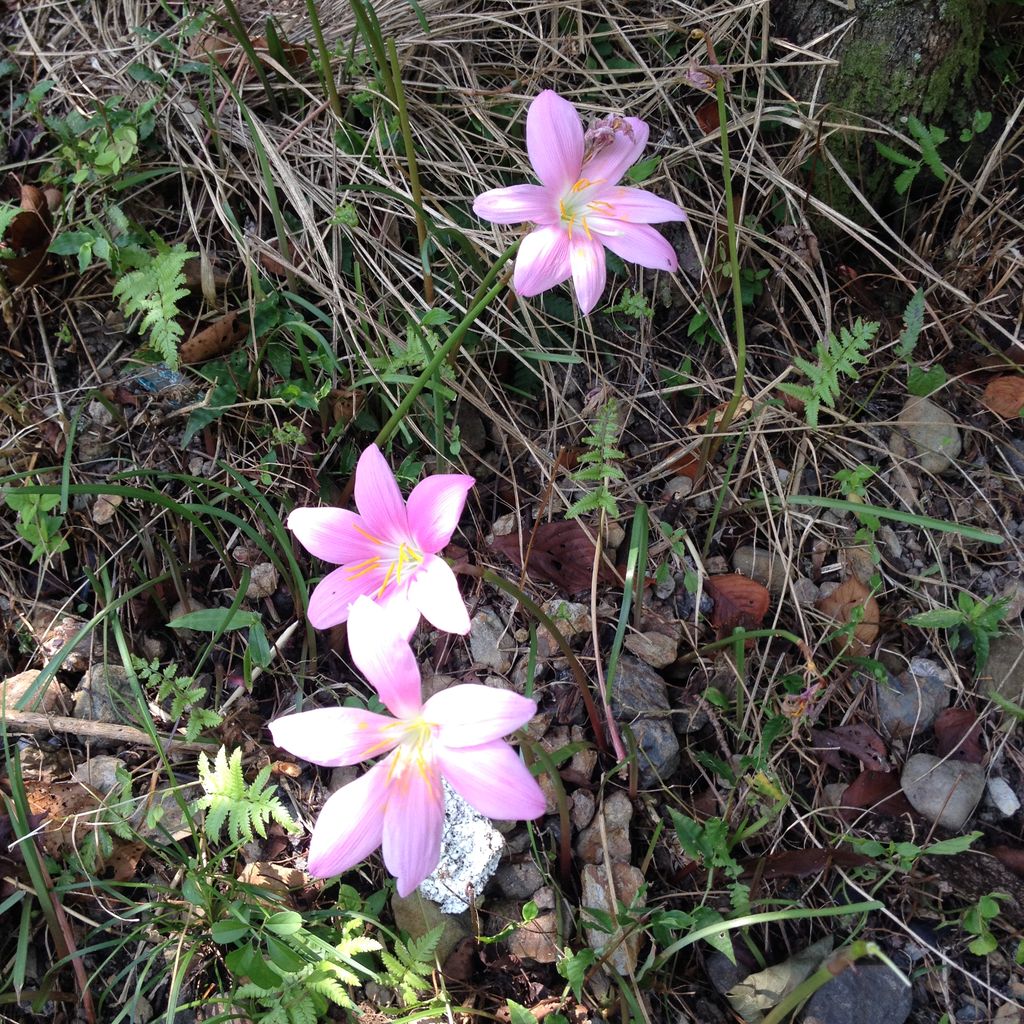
899, 58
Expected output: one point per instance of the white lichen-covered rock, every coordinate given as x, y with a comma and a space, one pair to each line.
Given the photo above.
470, 851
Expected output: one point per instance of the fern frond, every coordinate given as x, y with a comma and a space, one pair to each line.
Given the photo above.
913, 324
598, 464
227, 798
154, 289
836, 359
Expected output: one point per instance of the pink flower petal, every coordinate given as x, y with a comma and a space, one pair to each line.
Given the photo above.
471, 714
611, 163
640, 207
336, 736
402, 614
435, 505
413, 820
586, 256
491, 778
542, 262
331, 534
333, 596
378, 498
516, 204
384, 656
635, 243
554, 141
350, 825
435, 591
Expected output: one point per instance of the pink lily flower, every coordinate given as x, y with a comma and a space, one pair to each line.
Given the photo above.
578, 207
389, 550
455, 735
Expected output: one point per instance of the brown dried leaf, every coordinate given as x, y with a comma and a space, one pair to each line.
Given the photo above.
801, 863
739, 601
104, 508
700, 424
562, 554
229, 54
1005, 396
124, 861
958, 735
27, 237
859, 740
1011, 857
65, 809
841, 604
274, 877
875, 791
215, 340
707, 116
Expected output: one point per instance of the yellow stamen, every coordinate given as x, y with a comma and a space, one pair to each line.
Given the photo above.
369, 536
363, 568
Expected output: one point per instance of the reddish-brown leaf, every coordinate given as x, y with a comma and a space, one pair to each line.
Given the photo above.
739, 601
707, 116
562, 554
1011, 857
1005, 396
841, 605
801, 863
958, 735
215, 340
27, 237
875, 791
859, 740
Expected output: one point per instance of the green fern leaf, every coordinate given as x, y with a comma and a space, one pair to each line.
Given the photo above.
154, 290
913, 324
598, 464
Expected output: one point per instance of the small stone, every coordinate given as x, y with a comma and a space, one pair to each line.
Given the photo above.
756, 994
757, 564
583, 761
570, 619
105, 694
490, 641
654, 649
99, 773
537, 940
614, 535
581, 808
470, 851
722, 972
262, 581
640, 700
945, 792
53, 700
910, 703
342, 776
932, 431
806, 592
415, 915
617, 812
597, 894
1004, 670
519, 881
665, 587
52, 636
857, 561
677, 489
861, 994
1002, 797
161, 817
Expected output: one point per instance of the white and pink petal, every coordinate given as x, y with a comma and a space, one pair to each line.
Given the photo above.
435, 591
350, 826
516, 204
379, 500
542, 261
413, 820
554, 140
382, 653
334, 595
637, 206
492, 779
333, 737
333, 534
586, 257
470, 714
609, 164
434, 508
635, 243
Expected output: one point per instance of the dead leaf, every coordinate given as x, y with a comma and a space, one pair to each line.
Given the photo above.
23, 247
274, 877
859, 740
124, 861
1011, 857
875, 791
700, 424
801, 863
229, 53
739, 601
215, 340
65, 809
707, 116
562, 554
842, 604
958, 735
1005, 396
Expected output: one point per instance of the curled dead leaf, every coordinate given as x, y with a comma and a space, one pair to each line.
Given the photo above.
23, 247
104, 508
958, 735
65, 809
739, 601
1005, 396
843, 605
562, 554
875, 791
700, 424
274, 877
215, 340
857, 739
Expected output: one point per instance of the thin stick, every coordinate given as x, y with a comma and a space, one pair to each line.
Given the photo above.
95, 730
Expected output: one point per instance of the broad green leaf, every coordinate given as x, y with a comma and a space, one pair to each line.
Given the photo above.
938, 618
212, 620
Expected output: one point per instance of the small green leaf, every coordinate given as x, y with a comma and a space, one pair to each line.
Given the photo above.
228, 931
519, 1014
642, 170
214, 620
958, 844
285, 922
922, 382
938, 618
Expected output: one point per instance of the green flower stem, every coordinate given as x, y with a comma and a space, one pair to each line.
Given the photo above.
486, 294
548, 623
